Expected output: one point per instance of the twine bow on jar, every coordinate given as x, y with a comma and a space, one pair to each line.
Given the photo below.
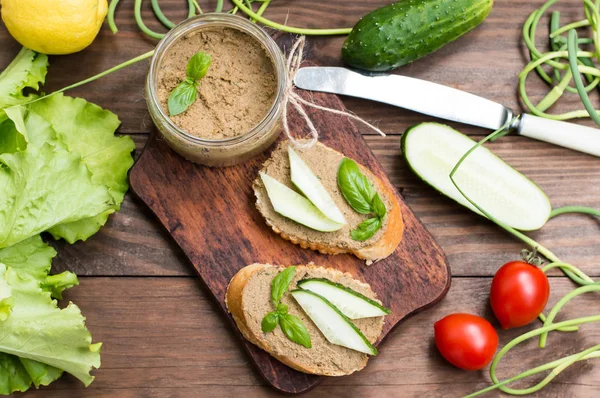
292, 97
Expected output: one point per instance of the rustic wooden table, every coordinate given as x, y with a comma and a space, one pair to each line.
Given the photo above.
163, 337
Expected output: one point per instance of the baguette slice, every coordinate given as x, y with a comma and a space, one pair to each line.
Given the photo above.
324, 162
248, 299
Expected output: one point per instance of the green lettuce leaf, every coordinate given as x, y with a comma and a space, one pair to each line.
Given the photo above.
43, 187
6, 299
32, 128
10, 139
40, 373
32, 256
38, 330
88, 130
28, 69
56, 284
49, 180
13, 376
17, 374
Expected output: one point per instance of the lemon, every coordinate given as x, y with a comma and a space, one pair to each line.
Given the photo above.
54, 26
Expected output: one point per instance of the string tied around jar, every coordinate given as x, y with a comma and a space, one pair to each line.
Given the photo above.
294, 60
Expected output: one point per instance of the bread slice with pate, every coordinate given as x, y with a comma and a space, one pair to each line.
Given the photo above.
248, 299
324, 163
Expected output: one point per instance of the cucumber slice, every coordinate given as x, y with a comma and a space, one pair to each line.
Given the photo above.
294, 206
432, 150
335, 326
352, 304
308, 183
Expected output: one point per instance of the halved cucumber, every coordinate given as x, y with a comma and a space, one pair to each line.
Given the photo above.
432, 150
351, 303
296, 207
335, 326
308, 183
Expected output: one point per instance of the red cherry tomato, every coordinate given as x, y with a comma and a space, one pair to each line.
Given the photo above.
466, 341
519, 294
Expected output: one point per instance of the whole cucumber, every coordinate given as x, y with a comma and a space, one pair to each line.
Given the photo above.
403, 32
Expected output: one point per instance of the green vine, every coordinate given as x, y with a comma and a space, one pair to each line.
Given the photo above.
566, 57
194, 8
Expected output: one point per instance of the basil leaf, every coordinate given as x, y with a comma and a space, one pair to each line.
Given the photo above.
378, 206
198, 65
355, 187
293, 328
182, 97
269, 322
281, 283
366, 229
282, 309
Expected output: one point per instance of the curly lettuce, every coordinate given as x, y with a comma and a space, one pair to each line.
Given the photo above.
78, 127
62, 170
27, 70
43, 187
88, 130
40, 331
38, 341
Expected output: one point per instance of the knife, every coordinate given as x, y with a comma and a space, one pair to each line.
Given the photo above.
446, 103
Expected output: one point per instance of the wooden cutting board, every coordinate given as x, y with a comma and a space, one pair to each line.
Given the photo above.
211, 214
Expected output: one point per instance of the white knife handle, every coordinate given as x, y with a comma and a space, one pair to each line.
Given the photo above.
568, 135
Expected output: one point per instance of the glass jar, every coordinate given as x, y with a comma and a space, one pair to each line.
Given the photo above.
224, 152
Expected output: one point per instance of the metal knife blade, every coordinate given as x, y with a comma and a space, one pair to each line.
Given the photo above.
406, 92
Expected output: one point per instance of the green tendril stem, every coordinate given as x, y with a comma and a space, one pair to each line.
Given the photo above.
560, 365
137, 10
132, 61
585, 280
557, 91
289, 29
585, 99
534, 64
566, 28
262, 8
574, 209
192, 6
198, 9
561, 303
166, 21
160, 16
590, 353
566, 329
576, 61
219, 7
111, 16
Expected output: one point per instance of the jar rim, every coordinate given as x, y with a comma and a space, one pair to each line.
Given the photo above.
228, 21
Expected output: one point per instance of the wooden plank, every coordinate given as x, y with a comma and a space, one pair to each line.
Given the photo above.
211, 213
164, 337
485, 62
133, 242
